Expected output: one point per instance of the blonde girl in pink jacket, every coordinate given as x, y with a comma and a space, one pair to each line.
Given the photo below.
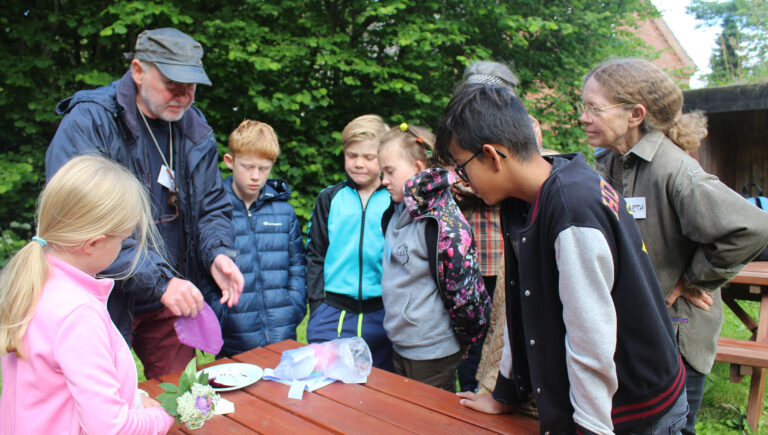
65, 367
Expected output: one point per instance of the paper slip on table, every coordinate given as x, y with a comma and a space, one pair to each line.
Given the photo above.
387, 403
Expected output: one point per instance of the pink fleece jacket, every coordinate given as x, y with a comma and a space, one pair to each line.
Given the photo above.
79, 376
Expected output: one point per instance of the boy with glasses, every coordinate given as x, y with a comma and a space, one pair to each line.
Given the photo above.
588, 334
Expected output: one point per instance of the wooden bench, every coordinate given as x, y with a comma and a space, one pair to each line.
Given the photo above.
747, 358
750, 284
742, 352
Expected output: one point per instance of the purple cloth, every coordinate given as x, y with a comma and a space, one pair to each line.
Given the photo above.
202, 332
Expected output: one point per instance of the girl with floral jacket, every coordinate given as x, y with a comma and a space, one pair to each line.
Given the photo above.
434, 299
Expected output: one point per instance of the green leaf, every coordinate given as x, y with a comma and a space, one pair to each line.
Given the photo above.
168, 401
169, 387
185, 383
191, 368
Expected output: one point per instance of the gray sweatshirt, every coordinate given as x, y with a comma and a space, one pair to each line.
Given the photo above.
415, 318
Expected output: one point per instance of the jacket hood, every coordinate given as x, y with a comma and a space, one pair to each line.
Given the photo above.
422, 191
274, 189
103, 96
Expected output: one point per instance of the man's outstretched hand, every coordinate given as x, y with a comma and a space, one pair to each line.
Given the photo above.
229, 279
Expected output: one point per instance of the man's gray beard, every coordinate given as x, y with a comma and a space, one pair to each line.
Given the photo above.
148, 103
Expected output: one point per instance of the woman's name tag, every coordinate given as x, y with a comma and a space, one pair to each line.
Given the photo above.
636, 207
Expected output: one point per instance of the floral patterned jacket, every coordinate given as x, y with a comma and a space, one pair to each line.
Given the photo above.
427, 195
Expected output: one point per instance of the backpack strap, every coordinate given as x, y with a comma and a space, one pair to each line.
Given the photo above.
748, 185
386, 217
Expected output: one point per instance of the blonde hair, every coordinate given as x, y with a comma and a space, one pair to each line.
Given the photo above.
254, 137
416, 142
366, 127
88, 197
637, 81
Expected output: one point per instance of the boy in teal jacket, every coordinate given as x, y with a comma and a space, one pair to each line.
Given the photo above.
345, 245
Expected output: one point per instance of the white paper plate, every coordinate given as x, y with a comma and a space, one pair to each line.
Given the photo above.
237, 375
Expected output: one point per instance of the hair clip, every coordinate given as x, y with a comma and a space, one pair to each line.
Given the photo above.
404, 128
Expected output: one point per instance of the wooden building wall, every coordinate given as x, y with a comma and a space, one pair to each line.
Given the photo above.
736, 150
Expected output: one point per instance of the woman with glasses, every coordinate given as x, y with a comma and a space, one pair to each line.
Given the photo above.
698, 232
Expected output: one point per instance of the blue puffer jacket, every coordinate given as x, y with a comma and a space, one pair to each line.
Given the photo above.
270, 254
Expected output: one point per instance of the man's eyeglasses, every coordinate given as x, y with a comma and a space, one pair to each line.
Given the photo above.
173, 201
460, 168
588, 108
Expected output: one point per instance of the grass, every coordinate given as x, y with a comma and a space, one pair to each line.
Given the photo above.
724, 407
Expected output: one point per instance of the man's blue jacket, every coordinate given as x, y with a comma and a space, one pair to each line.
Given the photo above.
104, 121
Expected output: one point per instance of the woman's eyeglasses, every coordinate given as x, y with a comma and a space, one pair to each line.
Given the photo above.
588, 108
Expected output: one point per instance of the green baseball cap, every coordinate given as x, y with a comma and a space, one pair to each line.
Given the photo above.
176, 54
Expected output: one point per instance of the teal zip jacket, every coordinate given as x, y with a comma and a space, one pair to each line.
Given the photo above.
345, 245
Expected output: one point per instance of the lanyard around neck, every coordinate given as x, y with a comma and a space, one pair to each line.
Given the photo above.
168, 167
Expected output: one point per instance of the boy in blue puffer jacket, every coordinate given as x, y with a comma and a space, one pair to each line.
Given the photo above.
270, 251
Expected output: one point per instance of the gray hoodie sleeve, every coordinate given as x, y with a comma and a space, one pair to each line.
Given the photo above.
586, 268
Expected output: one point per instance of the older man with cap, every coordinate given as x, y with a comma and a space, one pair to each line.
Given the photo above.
146, 122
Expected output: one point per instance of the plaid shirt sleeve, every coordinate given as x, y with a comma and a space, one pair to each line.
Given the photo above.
486, 225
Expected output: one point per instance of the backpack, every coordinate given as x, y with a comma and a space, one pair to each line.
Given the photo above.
760, 201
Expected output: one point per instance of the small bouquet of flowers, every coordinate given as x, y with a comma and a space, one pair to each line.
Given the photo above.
193, 401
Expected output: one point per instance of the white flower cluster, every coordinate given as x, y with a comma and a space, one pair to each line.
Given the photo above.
196, 406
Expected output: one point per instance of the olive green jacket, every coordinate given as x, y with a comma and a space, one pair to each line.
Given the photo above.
695, 227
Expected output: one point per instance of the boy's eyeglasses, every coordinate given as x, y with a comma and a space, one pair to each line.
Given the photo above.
588, 108
460, 168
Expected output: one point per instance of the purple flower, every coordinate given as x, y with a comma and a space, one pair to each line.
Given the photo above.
203, 404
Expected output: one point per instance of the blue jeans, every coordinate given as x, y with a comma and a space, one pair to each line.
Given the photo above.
694, 389
329, 323
671, 423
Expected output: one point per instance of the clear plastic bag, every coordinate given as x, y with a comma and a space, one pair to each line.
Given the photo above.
345, 359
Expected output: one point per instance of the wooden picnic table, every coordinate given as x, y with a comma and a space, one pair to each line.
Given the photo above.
748, 357
387, 403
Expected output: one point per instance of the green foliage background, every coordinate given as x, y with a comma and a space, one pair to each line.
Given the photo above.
742, 45
305, 67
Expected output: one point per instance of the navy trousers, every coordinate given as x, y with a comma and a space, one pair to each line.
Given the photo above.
329, 323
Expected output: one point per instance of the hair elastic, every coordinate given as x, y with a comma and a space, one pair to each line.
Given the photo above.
404, 128
40, 240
